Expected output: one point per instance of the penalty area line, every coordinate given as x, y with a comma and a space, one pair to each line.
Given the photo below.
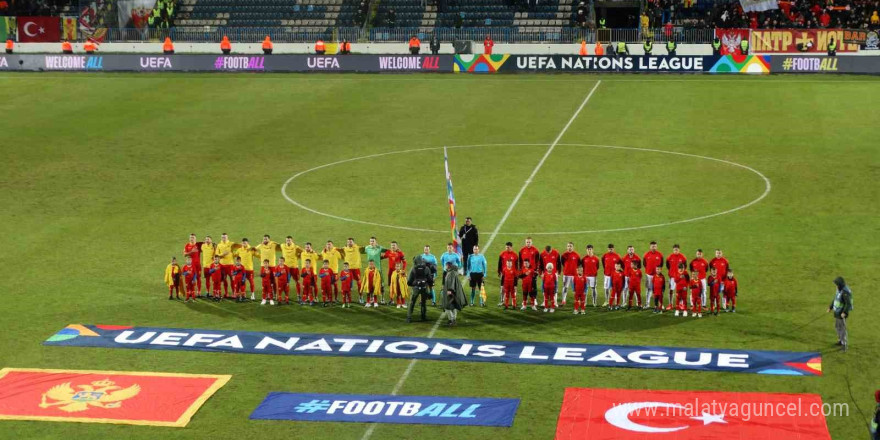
409, 368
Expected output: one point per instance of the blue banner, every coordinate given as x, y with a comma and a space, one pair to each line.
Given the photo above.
464, 350
425, 410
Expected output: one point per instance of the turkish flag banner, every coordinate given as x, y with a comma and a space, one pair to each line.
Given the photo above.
615, 414
39, 29
134, 398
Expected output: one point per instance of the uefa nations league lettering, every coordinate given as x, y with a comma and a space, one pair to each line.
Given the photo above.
684, 64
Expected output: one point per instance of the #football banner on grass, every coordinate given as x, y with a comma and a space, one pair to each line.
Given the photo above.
615, 414
462, 350
131, 398
423, 410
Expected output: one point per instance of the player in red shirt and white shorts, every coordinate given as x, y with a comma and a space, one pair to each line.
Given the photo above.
652, 260
700, 266
590, 263
675, 260
570, 261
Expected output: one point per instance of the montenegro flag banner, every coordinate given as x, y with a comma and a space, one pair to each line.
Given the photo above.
132, 398
68, 28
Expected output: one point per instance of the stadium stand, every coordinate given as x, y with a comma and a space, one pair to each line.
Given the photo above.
268, 13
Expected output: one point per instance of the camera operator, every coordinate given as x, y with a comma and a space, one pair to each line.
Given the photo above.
421, 280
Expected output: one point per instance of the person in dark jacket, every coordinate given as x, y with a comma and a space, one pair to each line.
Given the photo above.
469, 237
841, 306
435, 45
454, 298
421, 280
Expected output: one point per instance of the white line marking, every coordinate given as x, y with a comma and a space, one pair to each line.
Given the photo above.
767, 188
538, 167
412, 363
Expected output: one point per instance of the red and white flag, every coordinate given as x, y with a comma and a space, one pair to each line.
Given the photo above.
39, 29
615, 414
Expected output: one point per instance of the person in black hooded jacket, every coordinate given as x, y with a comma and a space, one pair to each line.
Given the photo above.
841, 306
435, 45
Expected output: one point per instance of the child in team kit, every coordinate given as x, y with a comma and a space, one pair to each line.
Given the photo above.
190, 279
634, 284
696, 286
309, 288
282, 281
397, 287
508, 285
346, 280
326, 275
681, 288
618, 280
371, 285
529, 277
730, 287
714, 286
580, 283
266, 276
658, 287
216, 274
172, 277
549, 287
239, 275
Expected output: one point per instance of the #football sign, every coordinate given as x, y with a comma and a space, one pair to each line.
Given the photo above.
614, 414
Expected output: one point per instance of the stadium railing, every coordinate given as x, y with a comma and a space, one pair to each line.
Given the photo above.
498, 34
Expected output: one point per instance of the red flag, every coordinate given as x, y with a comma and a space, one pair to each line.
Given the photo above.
135, 398
614, 414
39, 29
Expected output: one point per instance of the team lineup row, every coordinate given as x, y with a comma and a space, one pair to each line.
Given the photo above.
230, 265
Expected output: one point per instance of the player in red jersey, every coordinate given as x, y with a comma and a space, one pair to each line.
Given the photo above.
238, 275
529, 277
191, 274
721, 266
548, 285
570, 262
618, 280
627, 260
507, 255
700, 266
393, 255
282, 281
326, 275
681, 288
730, 289
714, 284
696, 286
590, 263
634, 281
216, 274
508, 284
307, 275
193, 249
580, 283
347, 279
675, 260
658, 286
609, 261
266, 276
652, 260
528, 253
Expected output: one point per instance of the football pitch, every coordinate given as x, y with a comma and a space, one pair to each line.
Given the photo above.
106, 175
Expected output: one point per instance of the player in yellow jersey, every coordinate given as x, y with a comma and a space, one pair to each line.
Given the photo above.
246, 253
332, 256
267, 250
352, 254
290, 251
307, 254
208, 247
227, 260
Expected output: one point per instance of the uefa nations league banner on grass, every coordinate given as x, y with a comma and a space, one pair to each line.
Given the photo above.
462, 350
423, 410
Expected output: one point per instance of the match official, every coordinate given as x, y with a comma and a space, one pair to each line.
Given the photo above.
469, 237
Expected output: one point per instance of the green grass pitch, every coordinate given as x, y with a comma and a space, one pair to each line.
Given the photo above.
106, 175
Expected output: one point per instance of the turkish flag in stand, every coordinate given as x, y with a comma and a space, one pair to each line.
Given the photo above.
39, 29
614, 414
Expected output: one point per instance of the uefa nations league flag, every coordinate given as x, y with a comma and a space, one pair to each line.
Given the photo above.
39, 29
614, 414
451, 197
123, 397
422, 410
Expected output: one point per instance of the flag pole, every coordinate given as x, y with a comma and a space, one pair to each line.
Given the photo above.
451, 199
